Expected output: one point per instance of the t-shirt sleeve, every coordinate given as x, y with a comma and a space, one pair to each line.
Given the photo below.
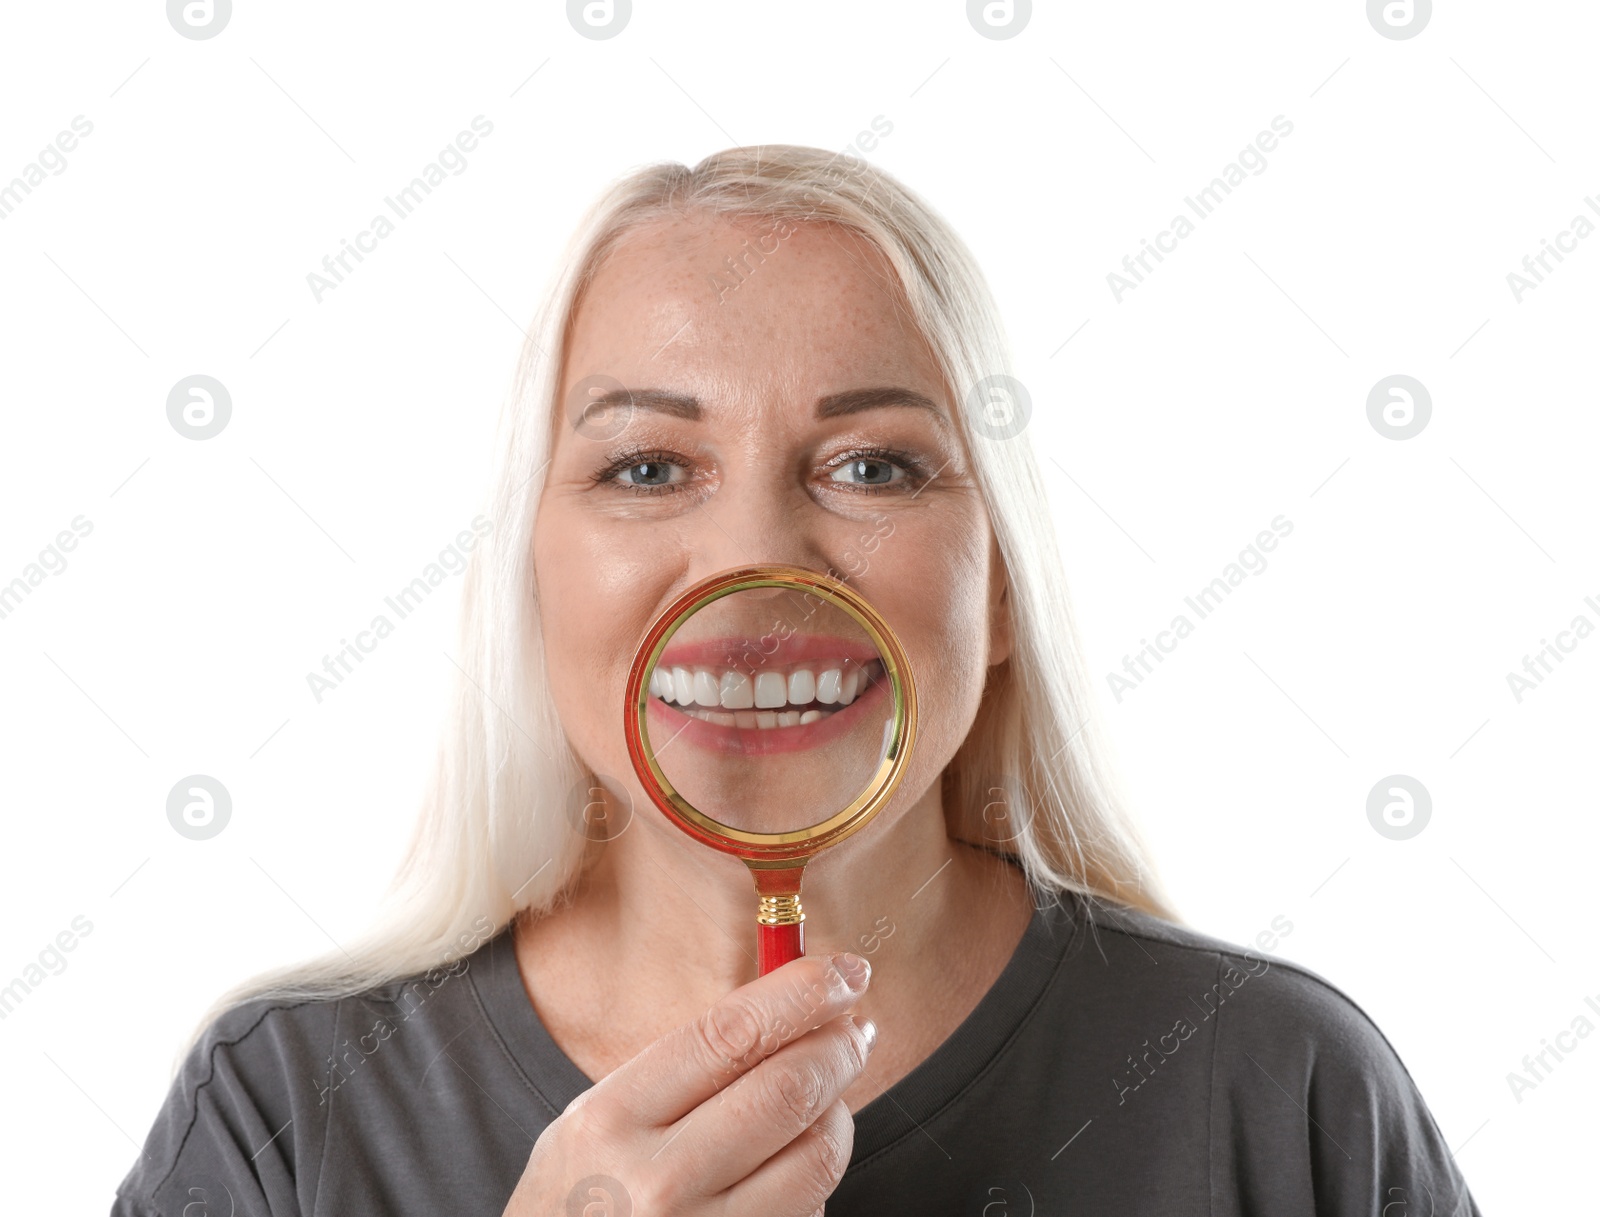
1313, 1111
241, 1128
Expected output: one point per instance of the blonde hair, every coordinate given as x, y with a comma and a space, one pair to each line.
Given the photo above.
494, 837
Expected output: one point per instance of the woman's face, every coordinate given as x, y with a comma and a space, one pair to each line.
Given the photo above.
797, 417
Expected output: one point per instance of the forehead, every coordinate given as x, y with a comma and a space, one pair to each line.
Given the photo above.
749, 300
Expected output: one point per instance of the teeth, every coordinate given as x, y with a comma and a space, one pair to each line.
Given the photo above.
847, 685
761, 720
827, 686
769, 699
802, 687
771, 690
737, 691
707, 691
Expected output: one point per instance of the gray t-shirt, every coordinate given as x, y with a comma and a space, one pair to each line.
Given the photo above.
1119, 1065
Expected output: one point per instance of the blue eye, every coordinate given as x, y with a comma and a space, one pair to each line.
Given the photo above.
650, 473
868, 471
864, 471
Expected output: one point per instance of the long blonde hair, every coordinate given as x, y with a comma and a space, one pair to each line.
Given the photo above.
494, 837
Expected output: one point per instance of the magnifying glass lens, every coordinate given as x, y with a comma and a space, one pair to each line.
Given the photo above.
769, 710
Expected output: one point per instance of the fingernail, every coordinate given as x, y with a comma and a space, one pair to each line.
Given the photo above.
855, 970
868, 1029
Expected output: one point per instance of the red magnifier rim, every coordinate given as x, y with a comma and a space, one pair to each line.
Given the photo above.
779, 847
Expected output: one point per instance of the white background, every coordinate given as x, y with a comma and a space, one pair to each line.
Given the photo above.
1227, 389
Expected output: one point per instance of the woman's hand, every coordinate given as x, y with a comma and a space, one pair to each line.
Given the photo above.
737, 1112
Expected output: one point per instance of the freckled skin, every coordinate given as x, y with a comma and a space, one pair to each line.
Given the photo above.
760, 479
817, 317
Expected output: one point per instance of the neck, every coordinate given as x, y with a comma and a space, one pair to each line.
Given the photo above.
674, 922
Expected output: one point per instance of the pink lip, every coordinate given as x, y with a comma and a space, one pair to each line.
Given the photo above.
667, 722
748, 653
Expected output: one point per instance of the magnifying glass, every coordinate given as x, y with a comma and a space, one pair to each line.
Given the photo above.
770, 713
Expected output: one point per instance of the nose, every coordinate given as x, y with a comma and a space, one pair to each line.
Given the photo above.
758, 519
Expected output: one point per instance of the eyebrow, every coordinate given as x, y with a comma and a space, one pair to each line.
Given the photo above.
835, 405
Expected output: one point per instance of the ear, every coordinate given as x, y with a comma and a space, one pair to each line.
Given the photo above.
1002, 635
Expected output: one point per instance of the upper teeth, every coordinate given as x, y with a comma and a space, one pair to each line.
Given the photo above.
788, 698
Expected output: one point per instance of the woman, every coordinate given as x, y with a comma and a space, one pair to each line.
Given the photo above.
783, 346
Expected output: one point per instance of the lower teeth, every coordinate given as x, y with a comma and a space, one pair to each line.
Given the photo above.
763, 720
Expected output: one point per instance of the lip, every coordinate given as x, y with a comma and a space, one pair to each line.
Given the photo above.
750, 653
667, 723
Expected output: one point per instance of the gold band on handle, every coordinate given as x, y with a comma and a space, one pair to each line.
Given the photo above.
780, 910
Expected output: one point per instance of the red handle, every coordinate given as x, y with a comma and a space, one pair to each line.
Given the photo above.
776, 945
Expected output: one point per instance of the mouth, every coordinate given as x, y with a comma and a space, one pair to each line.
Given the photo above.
819, 694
